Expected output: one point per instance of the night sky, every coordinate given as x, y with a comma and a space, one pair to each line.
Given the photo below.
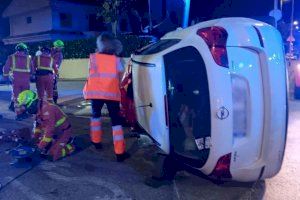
208, 9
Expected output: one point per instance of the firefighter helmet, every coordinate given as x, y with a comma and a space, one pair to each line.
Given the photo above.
58, 44
21, 47
27, 98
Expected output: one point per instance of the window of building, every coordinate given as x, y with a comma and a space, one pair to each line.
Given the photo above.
29, 20
65, 20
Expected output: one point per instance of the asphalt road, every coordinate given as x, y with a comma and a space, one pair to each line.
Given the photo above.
91, 174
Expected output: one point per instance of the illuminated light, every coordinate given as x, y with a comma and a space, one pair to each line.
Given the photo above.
259, 24
298, 67
250, 65
241, 65
296, 23
297, 27
216, 38
270, 58
186, 13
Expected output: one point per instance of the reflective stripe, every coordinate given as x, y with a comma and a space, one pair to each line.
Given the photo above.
63, 152
93, 65
99, 93
118, 137
103, 75
43, 67
60, 122
37, 130
95, 119
117, 128
97, 128
46, 139
14, 66
69, 147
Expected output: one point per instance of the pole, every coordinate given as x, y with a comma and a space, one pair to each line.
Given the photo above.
150, 16
291, 29
276, 8
186, 14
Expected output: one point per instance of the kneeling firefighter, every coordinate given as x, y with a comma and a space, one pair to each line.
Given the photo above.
52, 130
103, 87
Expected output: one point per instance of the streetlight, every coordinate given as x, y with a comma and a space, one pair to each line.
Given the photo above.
291, 29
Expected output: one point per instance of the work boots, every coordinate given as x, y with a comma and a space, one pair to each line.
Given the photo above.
122, 157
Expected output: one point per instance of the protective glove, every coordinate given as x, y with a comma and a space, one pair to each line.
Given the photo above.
42, 145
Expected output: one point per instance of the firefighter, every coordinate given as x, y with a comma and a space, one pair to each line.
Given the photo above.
45, 72
57, 55
19, 69
103, 87
52, 130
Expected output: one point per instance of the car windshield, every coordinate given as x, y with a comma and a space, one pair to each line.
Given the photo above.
157, 47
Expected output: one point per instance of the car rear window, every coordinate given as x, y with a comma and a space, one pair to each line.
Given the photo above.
157, 47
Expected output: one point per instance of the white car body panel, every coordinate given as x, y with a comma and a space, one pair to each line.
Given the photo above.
258, 153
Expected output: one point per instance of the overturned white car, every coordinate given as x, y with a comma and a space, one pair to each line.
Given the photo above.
214, 96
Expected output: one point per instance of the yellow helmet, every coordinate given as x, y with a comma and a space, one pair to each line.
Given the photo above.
26, 98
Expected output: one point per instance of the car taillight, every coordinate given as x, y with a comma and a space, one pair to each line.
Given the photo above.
216, 39
222, 168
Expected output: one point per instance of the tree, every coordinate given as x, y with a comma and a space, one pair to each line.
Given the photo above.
110, 11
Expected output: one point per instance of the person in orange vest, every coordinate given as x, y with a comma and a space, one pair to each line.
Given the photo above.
18, 67
52, 131
103, 87
45, 72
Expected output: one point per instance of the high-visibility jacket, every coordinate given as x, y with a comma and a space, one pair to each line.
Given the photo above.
43, 64
46, 65
17, 65
103, 80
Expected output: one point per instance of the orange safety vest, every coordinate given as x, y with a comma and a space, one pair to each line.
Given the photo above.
103, 81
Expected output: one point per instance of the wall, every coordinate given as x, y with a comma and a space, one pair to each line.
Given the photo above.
74, 69
41, 21
77, 69
80, 15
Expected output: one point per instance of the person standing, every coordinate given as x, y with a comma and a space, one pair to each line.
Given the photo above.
57, 55
45, 71
18, 67
103, 87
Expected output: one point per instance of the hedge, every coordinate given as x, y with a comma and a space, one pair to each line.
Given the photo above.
82, 48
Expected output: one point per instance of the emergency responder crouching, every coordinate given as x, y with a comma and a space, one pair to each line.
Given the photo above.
57, 55
45, 73
19, 69
52, 130
103, 87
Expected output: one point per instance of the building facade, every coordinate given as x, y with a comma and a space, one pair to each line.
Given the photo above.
42, 20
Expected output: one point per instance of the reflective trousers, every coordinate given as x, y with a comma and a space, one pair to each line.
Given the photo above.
59, 147
96, 131
44, 84
17, 88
